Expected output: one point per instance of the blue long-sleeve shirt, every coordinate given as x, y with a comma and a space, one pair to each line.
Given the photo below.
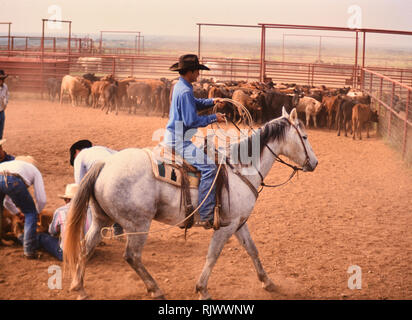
183, 112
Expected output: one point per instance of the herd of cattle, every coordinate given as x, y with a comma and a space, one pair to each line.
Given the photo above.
341, 108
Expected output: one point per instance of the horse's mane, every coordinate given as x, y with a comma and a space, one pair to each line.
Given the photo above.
270, 131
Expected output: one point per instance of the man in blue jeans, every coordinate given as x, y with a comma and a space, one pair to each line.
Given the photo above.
183, 124
49, 241
4, 100
15, 178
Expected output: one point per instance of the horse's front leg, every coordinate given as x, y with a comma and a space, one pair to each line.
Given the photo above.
219, 239
246, 241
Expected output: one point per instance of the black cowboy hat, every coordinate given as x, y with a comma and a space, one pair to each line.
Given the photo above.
79, 145
189, 62
3, 75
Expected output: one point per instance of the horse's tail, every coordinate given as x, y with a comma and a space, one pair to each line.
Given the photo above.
76, 218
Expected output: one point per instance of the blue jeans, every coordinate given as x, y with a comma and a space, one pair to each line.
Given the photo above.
50, 244
197, 158
2, 120
18, 193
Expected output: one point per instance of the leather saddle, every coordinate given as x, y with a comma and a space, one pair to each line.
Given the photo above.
170, 167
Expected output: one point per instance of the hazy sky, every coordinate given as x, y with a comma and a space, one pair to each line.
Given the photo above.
179, 17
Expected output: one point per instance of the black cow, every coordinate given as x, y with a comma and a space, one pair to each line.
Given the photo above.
91, 77
272, 103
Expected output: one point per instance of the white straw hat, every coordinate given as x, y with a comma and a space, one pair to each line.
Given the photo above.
70, 192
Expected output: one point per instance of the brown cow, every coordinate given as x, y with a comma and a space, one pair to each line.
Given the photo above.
157, 89
250, 104
362, 114
139, 95
121, 93
109, 93
76, 87
223, 107
332, 105
96, 91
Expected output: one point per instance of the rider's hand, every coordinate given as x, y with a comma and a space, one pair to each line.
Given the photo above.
217, 100
221, 117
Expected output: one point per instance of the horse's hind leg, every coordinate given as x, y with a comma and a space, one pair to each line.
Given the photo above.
133, 256
246, 241
219, 239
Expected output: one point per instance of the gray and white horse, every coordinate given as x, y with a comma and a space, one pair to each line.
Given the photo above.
123, 189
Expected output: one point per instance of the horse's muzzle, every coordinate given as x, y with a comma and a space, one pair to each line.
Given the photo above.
308, 167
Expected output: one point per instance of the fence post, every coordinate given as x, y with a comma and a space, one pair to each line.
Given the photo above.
114, 66
370, 85
405, 127
380, 90
390, 113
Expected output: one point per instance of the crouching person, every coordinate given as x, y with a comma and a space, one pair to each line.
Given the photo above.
16, 177
48, 241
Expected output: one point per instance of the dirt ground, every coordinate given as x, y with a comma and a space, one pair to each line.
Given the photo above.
355, 209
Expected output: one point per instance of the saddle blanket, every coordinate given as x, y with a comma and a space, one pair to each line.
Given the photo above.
168, 167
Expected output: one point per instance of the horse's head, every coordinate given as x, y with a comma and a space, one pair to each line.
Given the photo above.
298, 148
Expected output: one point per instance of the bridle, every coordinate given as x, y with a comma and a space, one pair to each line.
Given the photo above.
277, 158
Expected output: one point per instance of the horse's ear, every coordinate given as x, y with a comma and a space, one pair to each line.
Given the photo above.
284, 112
294, 115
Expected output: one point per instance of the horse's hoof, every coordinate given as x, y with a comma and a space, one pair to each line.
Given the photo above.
159, 297
75, 286
83, 296
270, 287
205, 297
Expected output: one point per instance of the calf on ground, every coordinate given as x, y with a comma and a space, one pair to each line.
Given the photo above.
12, 227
